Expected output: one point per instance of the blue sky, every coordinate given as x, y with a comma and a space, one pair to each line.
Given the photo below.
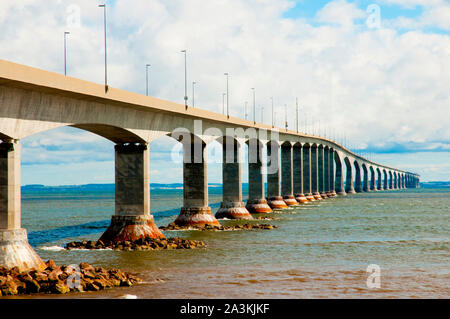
383, 88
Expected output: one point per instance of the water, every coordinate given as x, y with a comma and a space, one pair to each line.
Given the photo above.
320, 250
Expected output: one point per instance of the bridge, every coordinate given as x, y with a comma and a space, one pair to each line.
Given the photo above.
300, 167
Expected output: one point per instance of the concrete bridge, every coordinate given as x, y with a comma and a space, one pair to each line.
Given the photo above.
299, 167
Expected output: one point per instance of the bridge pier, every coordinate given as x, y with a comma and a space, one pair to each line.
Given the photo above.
195, 210
132, 219
339, 179
331, 172
321, 167
297, 161
256, 203
315, 173
358, 183
349, 188
307, 173
232, 206
274, 197
15, 251
287, 180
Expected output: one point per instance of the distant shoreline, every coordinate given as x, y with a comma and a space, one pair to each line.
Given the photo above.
111, 186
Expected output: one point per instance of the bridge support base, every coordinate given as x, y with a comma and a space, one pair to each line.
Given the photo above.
317, 196
233, 210
310, 197
196, 216
258, 206
277, 202
131, 228
15, 251
301, 198
323, 195
290, 200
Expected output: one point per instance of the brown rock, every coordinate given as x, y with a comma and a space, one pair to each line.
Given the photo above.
50, 264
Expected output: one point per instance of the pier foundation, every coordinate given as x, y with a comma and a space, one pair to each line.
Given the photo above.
15, 251
132, 219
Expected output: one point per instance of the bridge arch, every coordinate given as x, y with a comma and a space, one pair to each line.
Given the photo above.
339, 179
366, 187
385, 179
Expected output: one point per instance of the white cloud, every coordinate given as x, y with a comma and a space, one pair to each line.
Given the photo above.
340, 12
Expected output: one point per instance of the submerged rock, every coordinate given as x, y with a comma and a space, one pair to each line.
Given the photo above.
208, 227
141, 244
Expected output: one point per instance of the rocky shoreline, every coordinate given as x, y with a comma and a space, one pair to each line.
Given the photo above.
62, 279
208, 227
140, 244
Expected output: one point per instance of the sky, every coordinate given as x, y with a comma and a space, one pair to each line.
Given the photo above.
373, 75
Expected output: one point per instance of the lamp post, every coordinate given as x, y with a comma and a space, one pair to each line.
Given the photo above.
193, 92
146, 78
254, 106
285, 117
223, 103
245, 110
185, 80
106, 54
65, 52
228, 96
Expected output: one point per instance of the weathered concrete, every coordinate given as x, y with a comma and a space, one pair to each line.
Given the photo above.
380, 180
287, 175
339, 185
195, 210
256, 203
274, 198
321, 171
372, 179
332, 180
14, 247
366, 187
232, 206
315, 172
358, 185
349, 188
132, 219
297, 160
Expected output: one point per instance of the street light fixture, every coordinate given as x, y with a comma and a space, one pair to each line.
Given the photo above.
146, 78
185, 80
106, 54
65, 52
296, 119
245, 110
285, 117
223, 103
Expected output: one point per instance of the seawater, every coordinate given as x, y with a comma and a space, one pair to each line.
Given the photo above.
320, 250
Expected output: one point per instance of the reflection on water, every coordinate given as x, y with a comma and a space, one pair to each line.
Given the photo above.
320, 250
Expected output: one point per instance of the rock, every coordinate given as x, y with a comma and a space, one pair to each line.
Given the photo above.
50, 264
87, 267
32, 286
54, 275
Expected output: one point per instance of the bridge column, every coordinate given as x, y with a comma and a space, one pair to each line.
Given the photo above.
365, 186
315, 173
349, 189
326, 160
358, 182
195, 210
287, 180
339, 179
132, 219
297, 159
256, 203
332, 183
15, 251
307, 189
232, 206
275, 199
373, 184
380, 180
321, 167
